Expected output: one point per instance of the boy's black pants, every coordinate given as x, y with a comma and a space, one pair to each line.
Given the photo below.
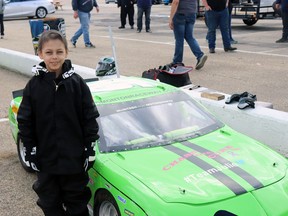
63, 195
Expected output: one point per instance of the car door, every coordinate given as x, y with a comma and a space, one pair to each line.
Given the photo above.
19, 8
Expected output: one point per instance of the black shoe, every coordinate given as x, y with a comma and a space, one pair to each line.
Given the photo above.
212, 50
237, 97
132, 27
121, 27
73, 43
230, 49
138, 30
282, 40
201, 62
148, 31
89, 45
245, 102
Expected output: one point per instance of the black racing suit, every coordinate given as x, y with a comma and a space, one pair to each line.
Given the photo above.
58, 117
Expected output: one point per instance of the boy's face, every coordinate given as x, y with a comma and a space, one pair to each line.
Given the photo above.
53, 54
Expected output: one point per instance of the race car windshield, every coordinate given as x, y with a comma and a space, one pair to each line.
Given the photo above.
153, 121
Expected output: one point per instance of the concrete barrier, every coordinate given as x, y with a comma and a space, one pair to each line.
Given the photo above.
267, 125
22, 63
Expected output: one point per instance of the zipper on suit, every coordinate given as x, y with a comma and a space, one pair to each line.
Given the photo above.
56, 86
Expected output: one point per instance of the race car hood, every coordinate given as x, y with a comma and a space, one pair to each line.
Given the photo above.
217, 166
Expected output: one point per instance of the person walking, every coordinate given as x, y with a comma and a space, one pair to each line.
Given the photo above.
57, 125
126, 8
82, 9
2, 8
230, 9
284, 14
144, 6
217, 15
181, 21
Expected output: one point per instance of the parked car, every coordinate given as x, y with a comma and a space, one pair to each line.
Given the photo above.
28, 8
160, 153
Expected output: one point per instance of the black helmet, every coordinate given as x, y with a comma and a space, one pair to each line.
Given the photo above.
106, 66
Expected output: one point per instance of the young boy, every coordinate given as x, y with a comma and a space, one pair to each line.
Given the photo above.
57, 124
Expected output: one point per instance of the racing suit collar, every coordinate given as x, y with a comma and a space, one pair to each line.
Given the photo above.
41, 70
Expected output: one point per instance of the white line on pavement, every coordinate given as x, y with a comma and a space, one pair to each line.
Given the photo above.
266, 53
4, 119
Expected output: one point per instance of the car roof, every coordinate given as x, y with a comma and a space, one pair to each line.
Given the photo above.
127, 89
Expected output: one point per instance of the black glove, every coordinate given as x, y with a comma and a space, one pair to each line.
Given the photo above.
89, 161
89, 157
30, 158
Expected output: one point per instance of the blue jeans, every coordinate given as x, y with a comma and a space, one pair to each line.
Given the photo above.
215, 19
285, 24
229, 23
84, 28
140, 12
183, 29
1, 24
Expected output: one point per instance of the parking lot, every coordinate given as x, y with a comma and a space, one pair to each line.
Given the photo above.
258, 66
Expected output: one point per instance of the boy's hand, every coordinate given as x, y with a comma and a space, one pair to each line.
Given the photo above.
34, 167
89, 161
89, 156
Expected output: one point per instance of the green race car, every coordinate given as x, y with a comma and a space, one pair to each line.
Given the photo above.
160, 153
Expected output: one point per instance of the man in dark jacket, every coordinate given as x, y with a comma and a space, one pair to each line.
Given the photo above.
127, 8
82, 9
143, 6
284, 15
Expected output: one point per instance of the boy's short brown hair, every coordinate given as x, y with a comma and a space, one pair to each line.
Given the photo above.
51, 35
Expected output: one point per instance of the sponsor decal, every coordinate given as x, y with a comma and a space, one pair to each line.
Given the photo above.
146, 105
126, 97
127, 212
227, 149
255, 183
198, 176
226, 180
91, 181
121, 199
